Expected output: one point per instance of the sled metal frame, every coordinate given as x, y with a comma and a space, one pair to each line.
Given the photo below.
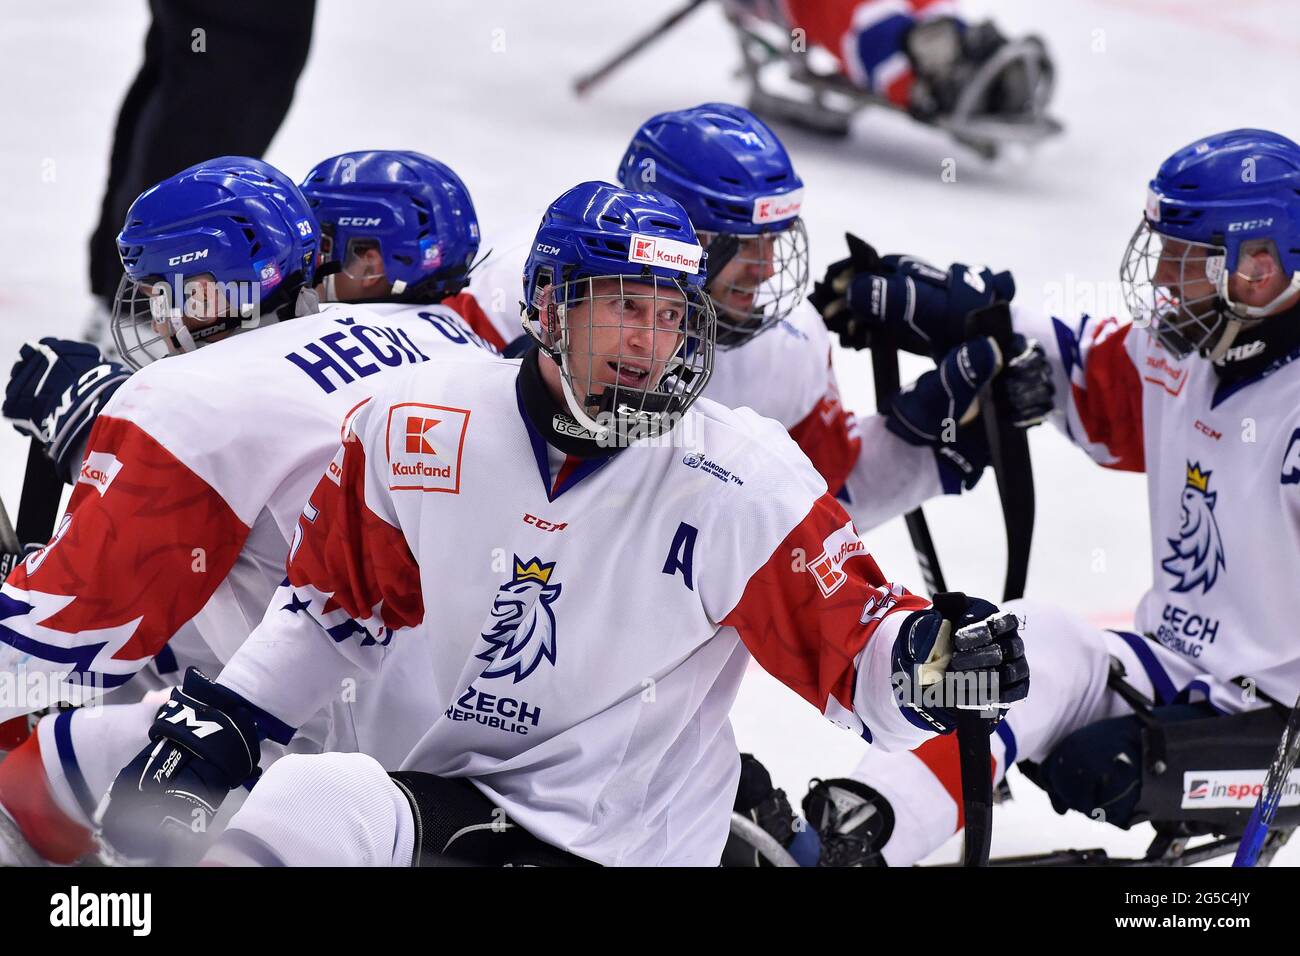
832, 101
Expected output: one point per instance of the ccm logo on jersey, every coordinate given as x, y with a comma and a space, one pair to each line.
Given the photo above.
668, 253
840, 545
542, 524
98, 470
777, 208
425, 444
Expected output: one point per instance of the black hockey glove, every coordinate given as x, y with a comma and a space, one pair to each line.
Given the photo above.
924, 307
940, 409
204, 743
55, 390
937, 671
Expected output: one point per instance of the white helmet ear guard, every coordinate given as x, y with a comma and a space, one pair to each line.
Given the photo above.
307, 302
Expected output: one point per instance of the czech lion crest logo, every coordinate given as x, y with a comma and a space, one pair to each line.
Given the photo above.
1197, 556
520, 632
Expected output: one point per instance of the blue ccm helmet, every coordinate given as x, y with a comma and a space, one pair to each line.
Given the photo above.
1221, 200
412, 207
237, 220
645, 244
736, 182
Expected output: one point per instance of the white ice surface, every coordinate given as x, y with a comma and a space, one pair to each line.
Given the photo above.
483, 85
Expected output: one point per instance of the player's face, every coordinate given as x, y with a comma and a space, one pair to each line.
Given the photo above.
362, 277
624, 333
205, 302
1182, 271
734, 287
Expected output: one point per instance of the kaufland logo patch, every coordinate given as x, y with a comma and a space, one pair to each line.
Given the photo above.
665, 253
1233, 789
777, 208
840, 545
425, 445
416, 429
98, 470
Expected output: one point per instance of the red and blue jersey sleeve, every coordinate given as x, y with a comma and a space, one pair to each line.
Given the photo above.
355, 563
142, 548
821, 617
1103, 390
351, 584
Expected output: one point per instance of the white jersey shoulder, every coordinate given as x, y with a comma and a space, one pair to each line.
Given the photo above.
782, 373
276, 396
497, 283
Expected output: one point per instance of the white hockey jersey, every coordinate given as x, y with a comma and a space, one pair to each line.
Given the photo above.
1223, 470
192, 482
783, 374
576, 630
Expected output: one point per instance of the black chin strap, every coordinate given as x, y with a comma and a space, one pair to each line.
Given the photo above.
554, 423
1257, 347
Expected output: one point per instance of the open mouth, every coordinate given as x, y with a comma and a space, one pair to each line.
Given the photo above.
630, 374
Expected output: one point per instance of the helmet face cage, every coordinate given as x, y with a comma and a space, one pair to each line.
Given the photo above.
634, 352
1175, 289
146, 326
768, 273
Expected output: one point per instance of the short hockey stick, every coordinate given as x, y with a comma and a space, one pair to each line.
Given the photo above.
1270, 798
976, 759
1009, 454
42, 493
884, 369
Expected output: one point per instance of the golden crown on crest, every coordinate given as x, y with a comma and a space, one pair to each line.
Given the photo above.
534, 570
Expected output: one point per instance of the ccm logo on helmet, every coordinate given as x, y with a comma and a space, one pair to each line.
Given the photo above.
546, 250
1247, 224
187, 257
358, 220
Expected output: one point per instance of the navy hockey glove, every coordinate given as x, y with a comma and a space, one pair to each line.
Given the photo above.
940, 408
204, 743
55, 390
938, 671
924, 307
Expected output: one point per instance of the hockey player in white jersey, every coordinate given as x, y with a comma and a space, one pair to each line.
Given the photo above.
590, 592
735, 179
196, 468
398, 232
1202, 392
